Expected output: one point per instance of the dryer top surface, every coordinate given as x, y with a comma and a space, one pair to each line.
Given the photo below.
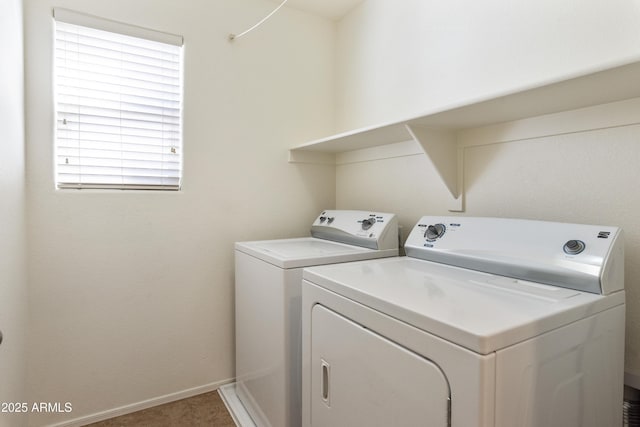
481, 311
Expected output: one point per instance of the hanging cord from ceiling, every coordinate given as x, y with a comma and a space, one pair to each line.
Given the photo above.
232, 36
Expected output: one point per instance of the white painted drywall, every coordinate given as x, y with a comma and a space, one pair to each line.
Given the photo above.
131, 293
398, 59
13, 283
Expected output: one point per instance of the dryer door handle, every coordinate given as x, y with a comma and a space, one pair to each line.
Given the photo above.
325, 375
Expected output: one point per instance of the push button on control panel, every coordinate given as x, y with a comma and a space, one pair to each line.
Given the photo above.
574, 247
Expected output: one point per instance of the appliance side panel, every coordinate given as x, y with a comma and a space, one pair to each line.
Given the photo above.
293, 345
569, 377
613, 272
262, 337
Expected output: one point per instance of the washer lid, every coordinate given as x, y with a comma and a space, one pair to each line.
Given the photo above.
480, 311
308, 251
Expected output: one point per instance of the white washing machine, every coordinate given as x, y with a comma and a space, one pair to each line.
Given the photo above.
485, 322
268, 296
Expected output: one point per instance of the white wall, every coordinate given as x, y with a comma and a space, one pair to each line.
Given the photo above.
398, 59
13, 284
132, 292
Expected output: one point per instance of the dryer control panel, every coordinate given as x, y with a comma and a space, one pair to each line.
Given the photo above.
374, 230
588, 258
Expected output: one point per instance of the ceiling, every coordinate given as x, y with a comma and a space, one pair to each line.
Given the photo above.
332, 9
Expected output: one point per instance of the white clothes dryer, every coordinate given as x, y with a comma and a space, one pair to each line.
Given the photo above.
485, 322
268, 283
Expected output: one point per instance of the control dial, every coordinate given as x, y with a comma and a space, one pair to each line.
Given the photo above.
368, 223
434, 232
574, 247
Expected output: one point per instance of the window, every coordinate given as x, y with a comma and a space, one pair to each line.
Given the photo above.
118, 96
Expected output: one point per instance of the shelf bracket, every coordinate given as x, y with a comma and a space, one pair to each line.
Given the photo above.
441, 148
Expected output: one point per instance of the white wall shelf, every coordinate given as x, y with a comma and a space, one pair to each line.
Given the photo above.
436, 130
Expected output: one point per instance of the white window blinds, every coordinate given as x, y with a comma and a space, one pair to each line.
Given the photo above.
119, 104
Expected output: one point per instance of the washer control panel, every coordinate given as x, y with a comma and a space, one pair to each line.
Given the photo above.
361, 228
575, 256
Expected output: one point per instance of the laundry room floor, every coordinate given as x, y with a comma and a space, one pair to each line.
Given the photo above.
198, 411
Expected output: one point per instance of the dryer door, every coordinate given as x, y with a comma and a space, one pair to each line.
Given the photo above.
360, 378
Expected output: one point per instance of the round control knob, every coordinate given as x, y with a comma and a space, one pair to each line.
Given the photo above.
574, 247
434, 232
322, 219
368, 223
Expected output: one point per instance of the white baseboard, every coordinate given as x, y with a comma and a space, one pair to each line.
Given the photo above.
145, 404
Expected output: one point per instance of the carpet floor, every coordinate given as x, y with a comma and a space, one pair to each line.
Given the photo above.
198, 411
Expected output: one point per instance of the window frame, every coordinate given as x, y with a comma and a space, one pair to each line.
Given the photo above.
139, 181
